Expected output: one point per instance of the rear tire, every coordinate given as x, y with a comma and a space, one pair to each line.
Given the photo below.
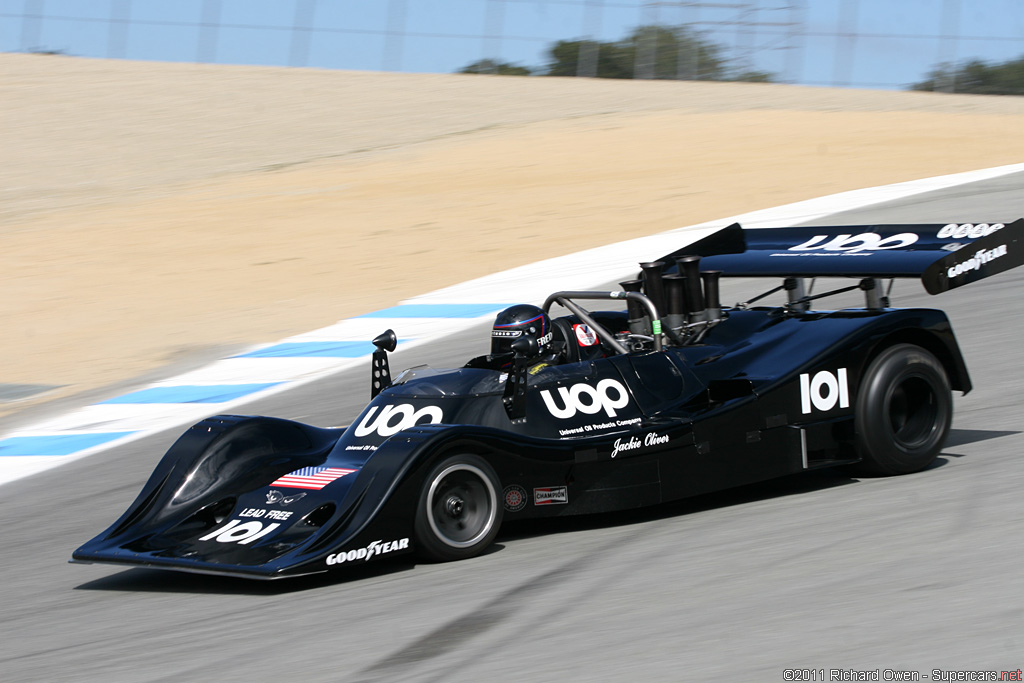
459, 510
904, 411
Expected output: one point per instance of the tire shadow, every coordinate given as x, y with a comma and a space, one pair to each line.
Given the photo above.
961, 437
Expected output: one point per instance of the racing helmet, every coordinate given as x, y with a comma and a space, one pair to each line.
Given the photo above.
519, 320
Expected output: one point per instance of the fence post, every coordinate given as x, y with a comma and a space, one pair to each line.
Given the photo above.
206, 52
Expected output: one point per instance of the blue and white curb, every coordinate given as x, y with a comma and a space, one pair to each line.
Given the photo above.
262, 371
227, 383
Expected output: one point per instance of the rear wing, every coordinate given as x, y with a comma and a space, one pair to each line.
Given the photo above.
943, 256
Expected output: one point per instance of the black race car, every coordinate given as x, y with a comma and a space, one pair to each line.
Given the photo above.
593, 411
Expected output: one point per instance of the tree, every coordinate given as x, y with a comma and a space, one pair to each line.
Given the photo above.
663, 52
651, 52
976, 77
490, 66
753, 76
655, 52
588, 58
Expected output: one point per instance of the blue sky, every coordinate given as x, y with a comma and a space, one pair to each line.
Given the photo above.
894, 42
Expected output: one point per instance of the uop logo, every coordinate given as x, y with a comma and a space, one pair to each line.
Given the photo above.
835, 386
597, 399
242, 534
851, 244
968, 230
407, 416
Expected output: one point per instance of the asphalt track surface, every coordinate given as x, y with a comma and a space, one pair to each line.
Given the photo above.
813, 571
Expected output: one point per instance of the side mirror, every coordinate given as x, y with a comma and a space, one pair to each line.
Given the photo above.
381, 378
386, 341
514, 397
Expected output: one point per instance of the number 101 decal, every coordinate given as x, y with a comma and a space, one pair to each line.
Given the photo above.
236, 532
824, 391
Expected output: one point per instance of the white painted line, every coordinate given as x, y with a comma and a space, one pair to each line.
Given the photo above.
118, 417
231, 370
364, 329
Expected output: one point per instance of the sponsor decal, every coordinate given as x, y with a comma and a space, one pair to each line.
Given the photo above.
278, 498
584, 335
824, 391
538, 367
373, 550
312, 477
238, 532
394, 418
972, 231
600, 425
586, 399
515, 498
633, 443
980, 258
853, 244
269, 514
506, 334
553, 495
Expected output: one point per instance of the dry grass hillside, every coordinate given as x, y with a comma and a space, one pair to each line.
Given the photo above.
151, 211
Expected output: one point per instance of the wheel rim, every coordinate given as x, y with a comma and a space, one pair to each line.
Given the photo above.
913, 410
461, 505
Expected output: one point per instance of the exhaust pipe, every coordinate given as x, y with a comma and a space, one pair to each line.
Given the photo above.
653, 287
639, 321
712, 300
675, 285
689, 266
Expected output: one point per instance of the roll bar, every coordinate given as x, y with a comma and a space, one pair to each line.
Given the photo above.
565, 299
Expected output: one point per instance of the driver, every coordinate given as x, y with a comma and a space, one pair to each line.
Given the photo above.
513, 323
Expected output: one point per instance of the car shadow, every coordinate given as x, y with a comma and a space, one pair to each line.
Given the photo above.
960, 437
141, 579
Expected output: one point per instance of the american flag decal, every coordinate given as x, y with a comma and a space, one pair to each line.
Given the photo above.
312, 477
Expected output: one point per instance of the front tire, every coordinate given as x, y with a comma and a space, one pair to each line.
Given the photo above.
459, 510
904, 411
